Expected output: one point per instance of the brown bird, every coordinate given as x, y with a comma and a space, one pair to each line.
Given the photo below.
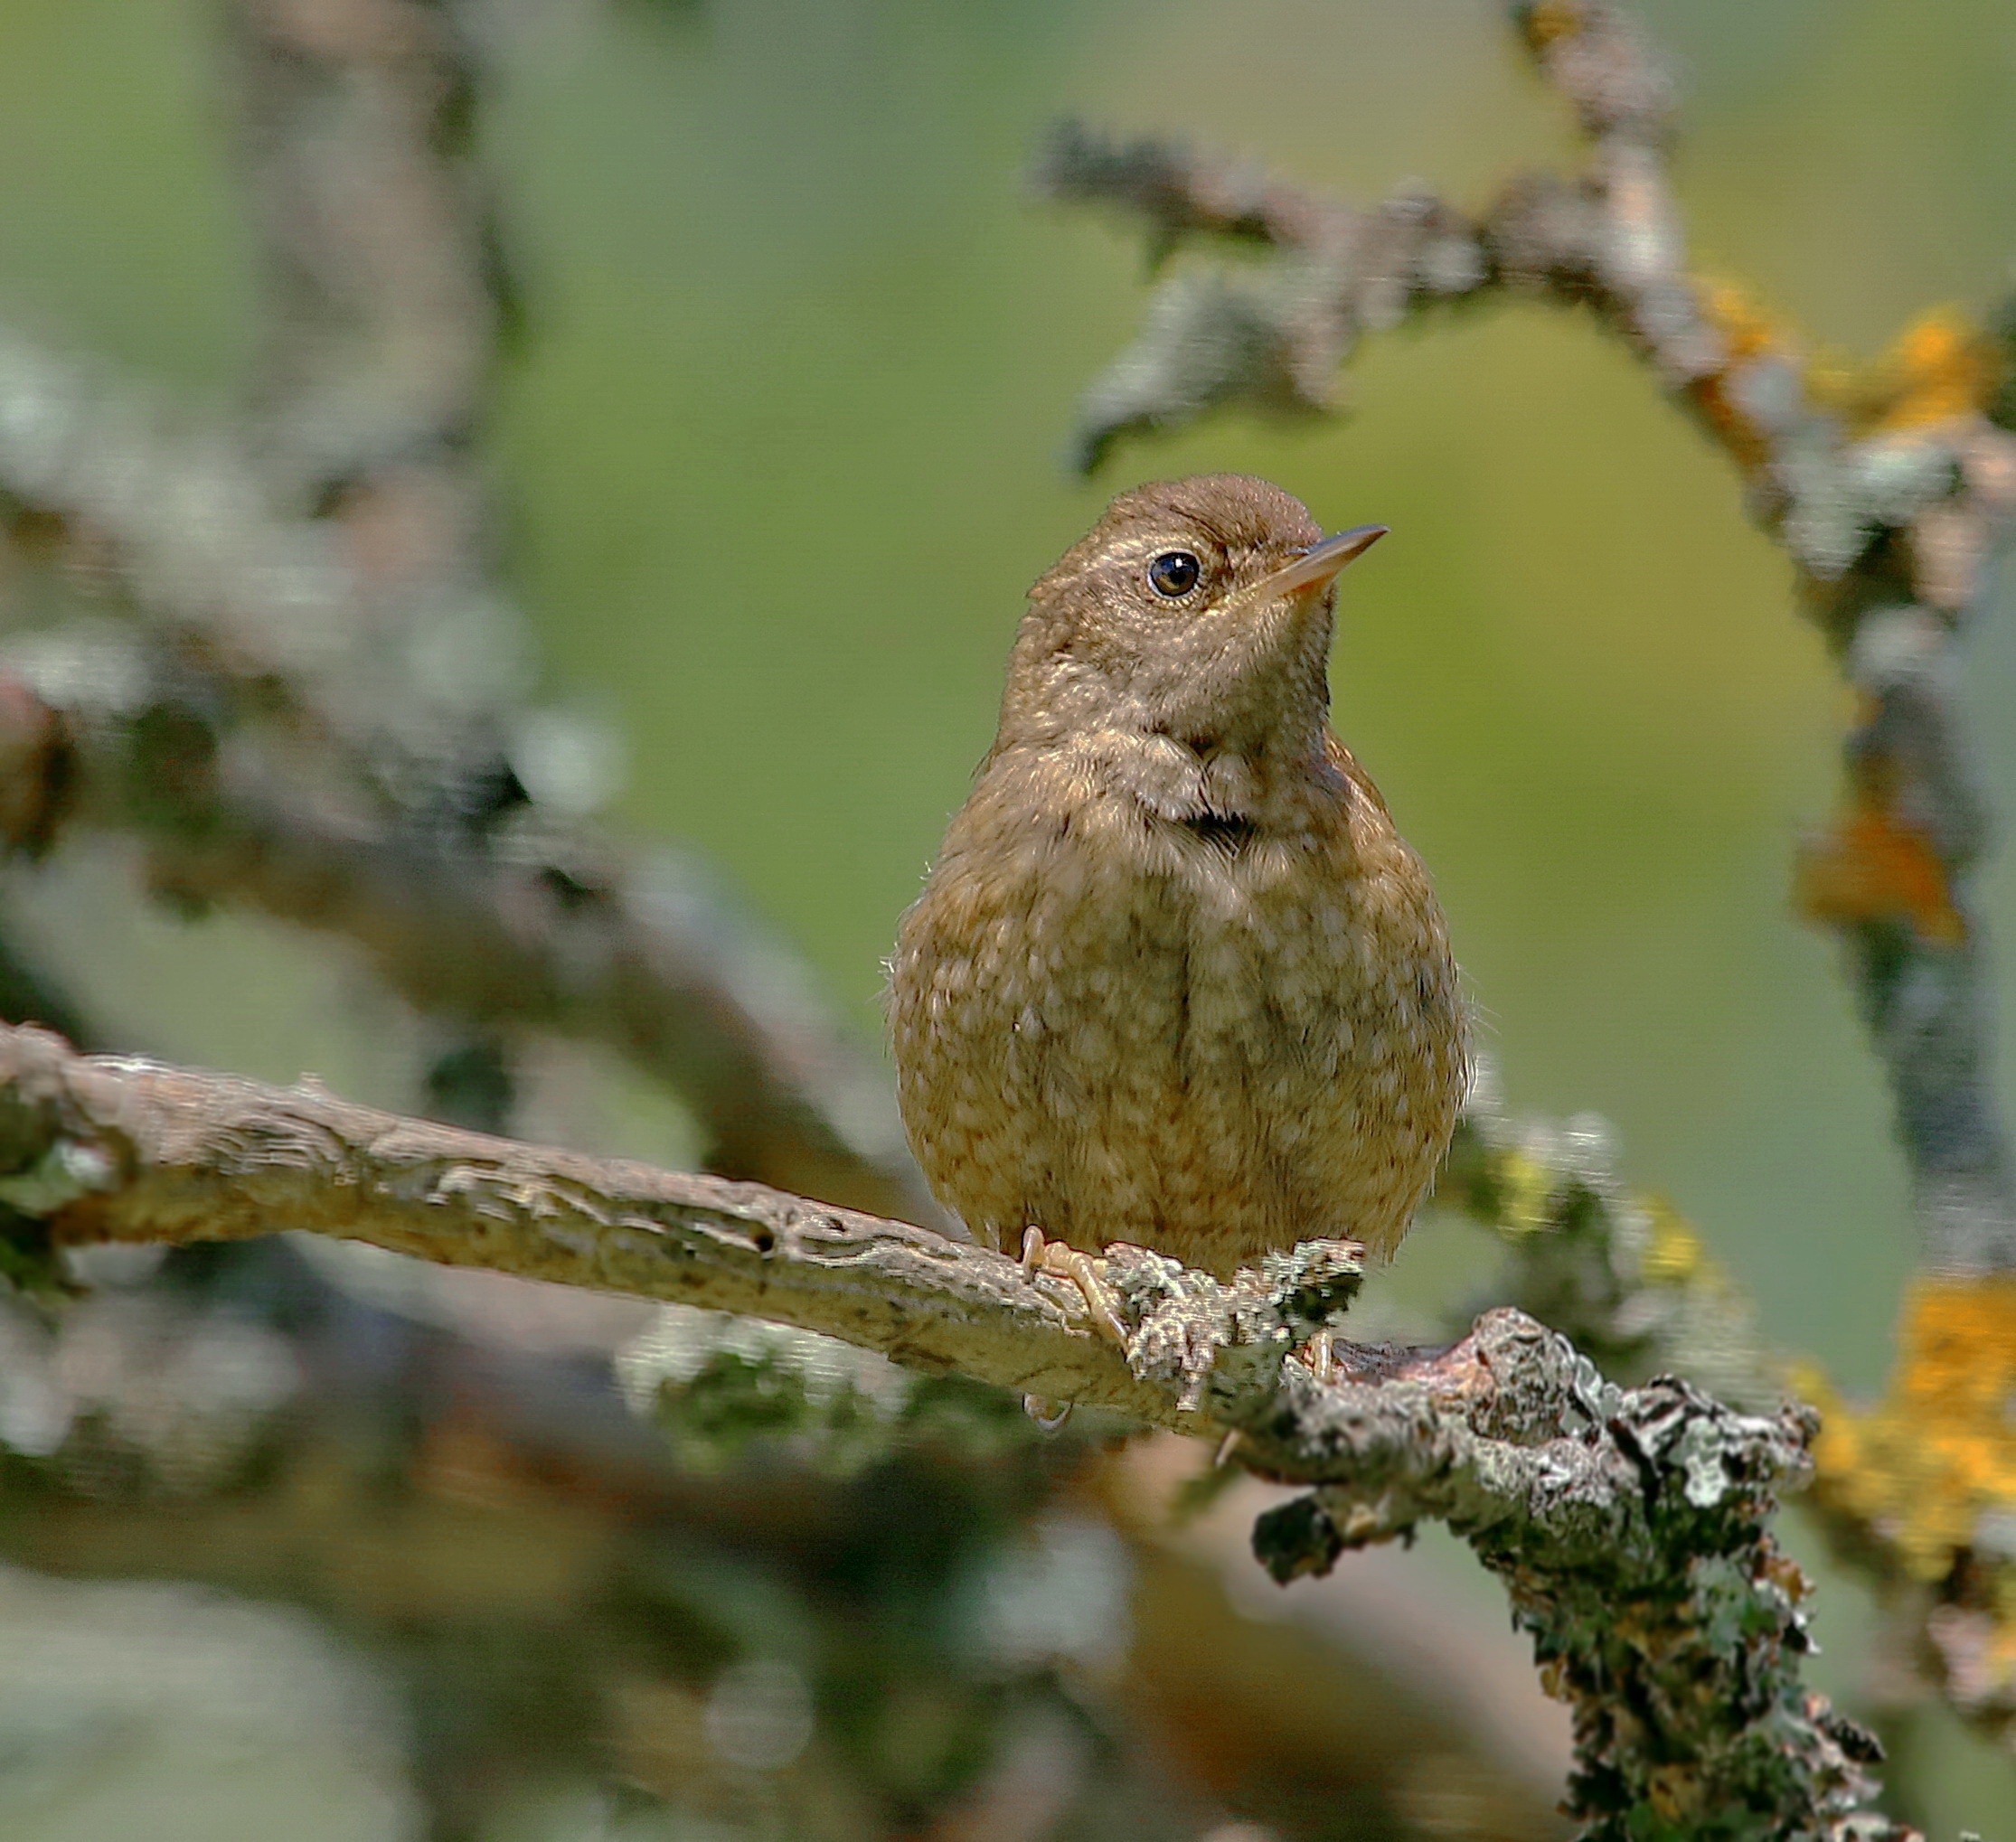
1176, 978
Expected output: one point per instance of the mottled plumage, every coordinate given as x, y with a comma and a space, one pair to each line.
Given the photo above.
1175, 978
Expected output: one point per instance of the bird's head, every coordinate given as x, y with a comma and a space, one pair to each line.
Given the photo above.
1198, 608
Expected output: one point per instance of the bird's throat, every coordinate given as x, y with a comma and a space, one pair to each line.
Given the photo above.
1225, 796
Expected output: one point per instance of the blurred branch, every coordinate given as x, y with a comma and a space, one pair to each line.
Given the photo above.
253, 743
387, 292
388, 303
1629, 1528
323, 711
386, 299
1421, 1718
435, 1460
522, 928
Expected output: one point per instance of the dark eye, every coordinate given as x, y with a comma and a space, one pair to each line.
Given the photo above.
1174, 572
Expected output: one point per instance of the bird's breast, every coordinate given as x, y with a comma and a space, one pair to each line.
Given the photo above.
1124, 1023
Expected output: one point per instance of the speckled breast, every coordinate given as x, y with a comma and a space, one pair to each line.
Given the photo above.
1123, 1029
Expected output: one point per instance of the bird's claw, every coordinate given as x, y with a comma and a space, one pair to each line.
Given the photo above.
1084, 1271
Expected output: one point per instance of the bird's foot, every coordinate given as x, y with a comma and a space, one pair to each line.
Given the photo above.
1320, 1353
1084, 1271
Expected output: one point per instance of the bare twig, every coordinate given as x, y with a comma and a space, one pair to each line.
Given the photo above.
1629, 1528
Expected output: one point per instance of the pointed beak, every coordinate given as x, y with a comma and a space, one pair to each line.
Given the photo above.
1320, 563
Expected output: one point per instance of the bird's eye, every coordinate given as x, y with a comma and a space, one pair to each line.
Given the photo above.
1174, 572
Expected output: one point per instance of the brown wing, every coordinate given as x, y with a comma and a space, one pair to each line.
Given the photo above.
1346, 764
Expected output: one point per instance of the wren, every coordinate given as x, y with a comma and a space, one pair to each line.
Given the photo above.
1176, 978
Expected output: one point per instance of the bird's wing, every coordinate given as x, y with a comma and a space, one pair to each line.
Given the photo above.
1346, 764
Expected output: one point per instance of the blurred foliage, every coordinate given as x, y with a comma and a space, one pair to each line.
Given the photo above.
722, 1389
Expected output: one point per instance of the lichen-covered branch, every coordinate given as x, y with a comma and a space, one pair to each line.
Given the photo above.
1273, 335
1630, 1527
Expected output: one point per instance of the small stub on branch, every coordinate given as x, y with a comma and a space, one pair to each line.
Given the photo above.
1222, 1342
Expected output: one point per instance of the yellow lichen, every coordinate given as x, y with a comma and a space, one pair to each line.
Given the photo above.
1525, 1186
1870, 865
1748, 329
1675, 1254
1921, 1469
1940, 367
1748, 332
1551, 20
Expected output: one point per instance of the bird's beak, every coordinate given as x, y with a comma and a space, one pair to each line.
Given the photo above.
1317, 565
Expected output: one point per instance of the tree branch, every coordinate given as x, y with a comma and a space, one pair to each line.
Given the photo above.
1630, 1527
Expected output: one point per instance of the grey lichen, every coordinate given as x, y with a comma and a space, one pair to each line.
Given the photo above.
67, 1172
1224, 1343
1631, 1530
718, 1385
1208, 339
50, 1169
